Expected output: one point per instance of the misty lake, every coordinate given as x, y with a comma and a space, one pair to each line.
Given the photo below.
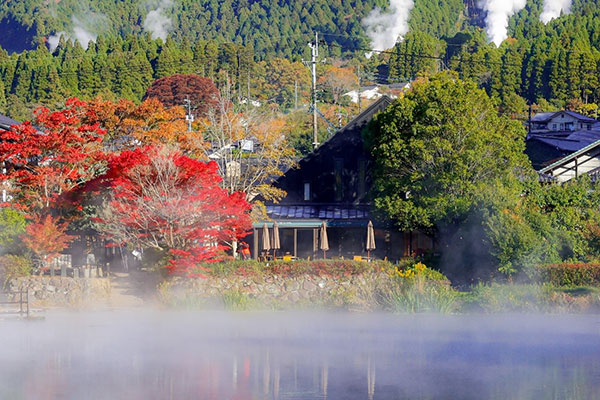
190, 355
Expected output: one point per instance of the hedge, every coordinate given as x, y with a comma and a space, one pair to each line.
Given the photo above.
294, 268
566, 274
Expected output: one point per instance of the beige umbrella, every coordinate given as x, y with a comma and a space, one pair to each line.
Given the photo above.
266, 240
324, 241
276, 243
370, 239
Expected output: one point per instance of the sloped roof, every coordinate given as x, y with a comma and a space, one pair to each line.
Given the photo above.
6, 123
568, 158
568, 141
367, 115
542, 117
317, 211
547, 116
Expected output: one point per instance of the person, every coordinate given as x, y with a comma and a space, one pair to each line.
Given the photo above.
245, 251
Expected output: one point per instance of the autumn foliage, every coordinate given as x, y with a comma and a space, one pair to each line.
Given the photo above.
173, 91
51, 156
46, 238
130, 125
144, 184
166, 201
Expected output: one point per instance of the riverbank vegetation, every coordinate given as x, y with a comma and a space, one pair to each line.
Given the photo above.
447, 164
410, 287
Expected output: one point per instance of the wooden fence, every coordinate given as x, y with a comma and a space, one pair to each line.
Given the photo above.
14, 302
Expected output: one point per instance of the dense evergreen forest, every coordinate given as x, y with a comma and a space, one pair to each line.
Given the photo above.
255, 48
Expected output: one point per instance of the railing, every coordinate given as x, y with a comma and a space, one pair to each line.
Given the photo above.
12, 298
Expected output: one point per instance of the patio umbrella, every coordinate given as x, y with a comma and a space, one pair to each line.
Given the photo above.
266, 240
276, 243
324, 241
370, 239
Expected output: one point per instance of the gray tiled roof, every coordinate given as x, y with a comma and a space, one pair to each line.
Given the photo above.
547, 116
5, 122
315, 211
568, 141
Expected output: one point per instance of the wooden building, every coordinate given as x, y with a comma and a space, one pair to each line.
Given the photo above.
332, 185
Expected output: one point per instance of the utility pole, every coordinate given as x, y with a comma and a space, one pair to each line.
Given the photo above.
248, 97
315, 53
295, 95
529, 124
189, 117
359, 90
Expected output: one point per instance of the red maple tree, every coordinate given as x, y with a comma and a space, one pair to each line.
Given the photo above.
50, 156
175, 89
46, 238
161, 199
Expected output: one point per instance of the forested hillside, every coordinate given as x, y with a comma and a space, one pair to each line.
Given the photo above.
269, 27
255, 49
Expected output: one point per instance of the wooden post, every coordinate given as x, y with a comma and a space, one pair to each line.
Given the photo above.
255, 244
315, 242
296, 242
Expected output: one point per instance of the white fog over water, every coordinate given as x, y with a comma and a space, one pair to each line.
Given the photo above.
187, 355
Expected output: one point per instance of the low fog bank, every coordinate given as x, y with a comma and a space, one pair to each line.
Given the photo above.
143, 354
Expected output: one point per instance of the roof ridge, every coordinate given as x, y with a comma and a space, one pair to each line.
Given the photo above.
570, 156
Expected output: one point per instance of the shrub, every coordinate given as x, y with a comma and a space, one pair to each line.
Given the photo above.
417, 289
497, 297
567, 274
529, 298
12, 266
331, 268
12, 226
235, 300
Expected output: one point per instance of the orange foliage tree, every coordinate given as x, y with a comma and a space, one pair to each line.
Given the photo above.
149, 123
339, 81
250, 149
46, 238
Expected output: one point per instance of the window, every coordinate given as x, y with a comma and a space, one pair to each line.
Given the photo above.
306, 191
562, 127
553, 127
589, 127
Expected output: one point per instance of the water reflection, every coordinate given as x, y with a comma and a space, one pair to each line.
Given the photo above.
156, 355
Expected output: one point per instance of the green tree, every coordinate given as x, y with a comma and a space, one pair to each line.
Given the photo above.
2, 97
12, 226
437, 147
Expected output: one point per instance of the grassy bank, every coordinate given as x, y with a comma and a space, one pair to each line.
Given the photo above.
379, 286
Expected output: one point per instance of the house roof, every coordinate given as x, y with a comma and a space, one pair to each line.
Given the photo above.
569, 141
318, 211
545, 117
570, 157
312, 215
6, 123
542, 117
382, 103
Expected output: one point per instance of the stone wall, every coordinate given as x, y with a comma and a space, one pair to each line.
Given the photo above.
62, 292
356, 292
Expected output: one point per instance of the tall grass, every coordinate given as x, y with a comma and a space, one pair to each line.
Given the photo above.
418, 289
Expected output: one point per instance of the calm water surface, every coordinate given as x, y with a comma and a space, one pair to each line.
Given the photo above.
160, 355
